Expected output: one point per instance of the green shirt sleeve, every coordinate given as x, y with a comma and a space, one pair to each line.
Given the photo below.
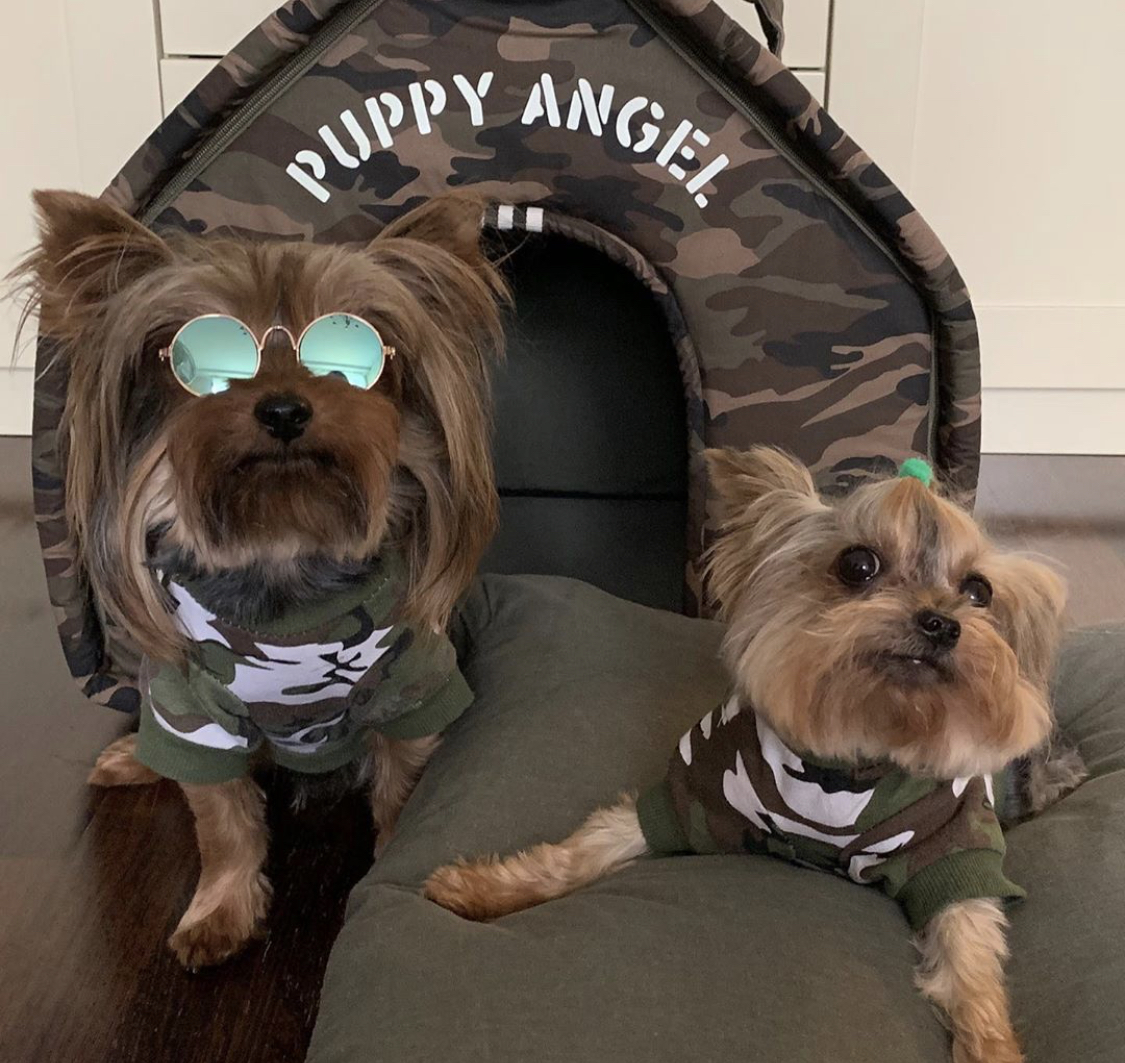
971, 874
958, 855
660, 822
192, 729
435, 713
415, 690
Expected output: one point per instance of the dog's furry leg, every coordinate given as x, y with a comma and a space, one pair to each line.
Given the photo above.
963, 951
485, 889
117, 765
1049, 773
233, 894
397, 766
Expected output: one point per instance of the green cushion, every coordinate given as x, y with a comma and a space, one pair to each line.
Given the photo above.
580, 696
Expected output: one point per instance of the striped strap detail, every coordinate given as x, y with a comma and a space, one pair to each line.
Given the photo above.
508, 216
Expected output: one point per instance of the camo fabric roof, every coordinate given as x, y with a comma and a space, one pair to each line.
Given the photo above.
810, 304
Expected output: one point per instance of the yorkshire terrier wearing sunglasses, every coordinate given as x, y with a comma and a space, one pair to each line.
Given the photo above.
278, 482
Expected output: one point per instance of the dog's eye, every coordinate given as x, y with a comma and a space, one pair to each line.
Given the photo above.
858, 565
977, 589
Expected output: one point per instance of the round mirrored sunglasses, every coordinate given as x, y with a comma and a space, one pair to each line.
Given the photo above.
211, 350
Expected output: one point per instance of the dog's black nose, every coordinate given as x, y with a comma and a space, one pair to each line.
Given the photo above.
283, 416
943, 631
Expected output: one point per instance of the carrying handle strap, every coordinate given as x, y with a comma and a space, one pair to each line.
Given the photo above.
772, 15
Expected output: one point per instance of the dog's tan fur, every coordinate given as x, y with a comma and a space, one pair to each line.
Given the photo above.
400, 763
406, 464
117, 765
486, 889
962, 971
805, 650
233, 895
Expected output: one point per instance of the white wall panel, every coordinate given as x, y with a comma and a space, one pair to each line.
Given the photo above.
79, 93
209, 27
179, 76
997, 120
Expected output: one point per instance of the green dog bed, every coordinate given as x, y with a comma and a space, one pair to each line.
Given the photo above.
581, 695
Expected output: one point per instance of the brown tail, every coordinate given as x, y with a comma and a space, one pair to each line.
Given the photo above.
488, 888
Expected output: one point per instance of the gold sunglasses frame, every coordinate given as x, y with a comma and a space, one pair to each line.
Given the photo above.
295, 344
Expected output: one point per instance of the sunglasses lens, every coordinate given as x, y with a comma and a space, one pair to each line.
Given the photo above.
209, 352
344, 346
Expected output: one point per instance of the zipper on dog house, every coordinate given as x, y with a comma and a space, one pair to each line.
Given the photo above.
340, 24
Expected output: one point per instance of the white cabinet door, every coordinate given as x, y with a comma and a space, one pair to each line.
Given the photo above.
998, 120
78, 95
209, 27
179, 76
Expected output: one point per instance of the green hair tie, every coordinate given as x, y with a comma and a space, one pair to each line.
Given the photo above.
917, 469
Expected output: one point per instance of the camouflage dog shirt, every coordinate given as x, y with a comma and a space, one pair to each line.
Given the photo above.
304, 691
734, 786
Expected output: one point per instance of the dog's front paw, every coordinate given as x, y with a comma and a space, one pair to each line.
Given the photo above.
992, 1052
999, 1049
206, 938
117, 765
470, 891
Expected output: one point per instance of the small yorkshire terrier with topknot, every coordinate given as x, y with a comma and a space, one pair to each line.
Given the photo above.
887, 662
278, 483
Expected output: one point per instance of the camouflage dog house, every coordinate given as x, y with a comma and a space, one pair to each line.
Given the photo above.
791, 293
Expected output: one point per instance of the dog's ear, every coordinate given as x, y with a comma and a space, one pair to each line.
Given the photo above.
88, 251
766, 497
451, 222
1029, 601
441, 301
741, 477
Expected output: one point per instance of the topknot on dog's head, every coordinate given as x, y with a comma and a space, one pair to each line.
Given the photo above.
880, 624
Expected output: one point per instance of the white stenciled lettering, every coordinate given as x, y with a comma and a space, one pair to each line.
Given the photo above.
339, 152
637, 125
542, 101
308, 180
676, 151
582, 102
424, 111
716, 165
383, 124
649, 132
628, 109
359, 138
672, 145
474, 94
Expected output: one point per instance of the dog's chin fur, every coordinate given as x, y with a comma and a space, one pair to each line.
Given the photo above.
153, 473
844, 673
240, 498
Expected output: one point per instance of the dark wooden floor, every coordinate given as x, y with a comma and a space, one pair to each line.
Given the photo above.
92, 883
